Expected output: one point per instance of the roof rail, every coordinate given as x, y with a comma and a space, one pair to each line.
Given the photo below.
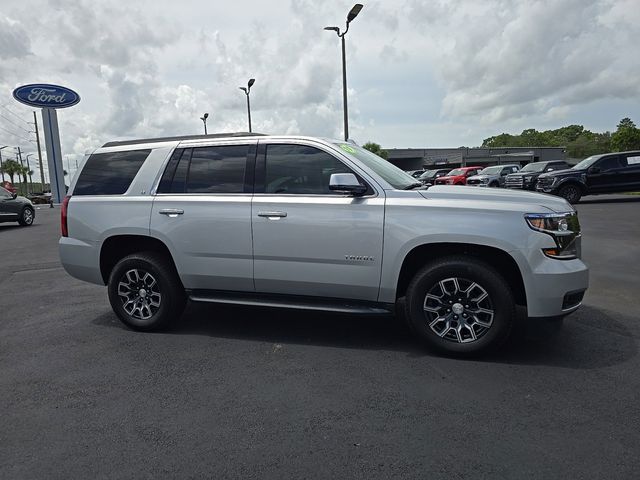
119, 143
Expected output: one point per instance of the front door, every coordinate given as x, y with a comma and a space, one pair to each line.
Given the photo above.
307, 240
9, 208
605, 175
202, 211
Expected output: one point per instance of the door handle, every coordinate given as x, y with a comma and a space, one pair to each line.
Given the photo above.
171, 212
272, 215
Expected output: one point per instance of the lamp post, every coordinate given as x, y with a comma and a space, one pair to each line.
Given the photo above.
246, 91
29, 170
204, 120
353, 13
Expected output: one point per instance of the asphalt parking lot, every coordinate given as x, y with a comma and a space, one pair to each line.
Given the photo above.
251, 393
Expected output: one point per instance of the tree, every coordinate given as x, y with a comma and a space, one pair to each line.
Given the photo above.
11, 168
377, 149
626, 137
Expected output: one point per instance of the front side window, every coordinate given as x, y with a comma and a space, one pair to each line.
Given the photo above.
110, 173
608, 163
5, 193
300, 169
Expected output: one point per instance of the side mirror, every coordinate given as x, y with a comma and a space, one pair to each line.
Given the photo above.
14, 196
549, 169
346, 183
594, 170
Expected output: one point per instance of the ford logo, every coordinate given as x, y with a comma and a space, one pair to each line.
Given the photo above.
46, 96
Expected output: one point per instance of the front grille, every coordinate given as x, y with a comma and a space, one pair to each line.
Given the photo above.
545, 182
473, 181
514, 182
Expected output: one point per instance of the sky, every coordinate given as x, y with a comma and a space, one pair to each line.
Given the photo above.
421, 73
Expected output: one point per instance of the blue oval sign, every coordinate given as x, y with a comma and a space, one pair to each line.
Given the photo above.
46, 96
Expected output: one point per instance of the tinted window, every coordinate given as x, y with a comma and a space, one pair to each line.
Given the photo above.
300, 169
608, 163
109, 173
217, 169
170, 171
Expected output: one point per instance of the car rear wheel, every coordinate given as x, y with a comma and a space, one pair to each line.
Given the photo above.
27, 216
460, 305
571, 193
145, 292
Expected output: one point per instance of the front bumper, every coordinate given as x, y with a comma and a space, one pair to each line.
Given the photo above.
554, 288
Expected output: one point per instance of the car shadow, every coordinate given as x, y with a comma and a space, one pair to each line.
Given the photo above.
589, 339
620, 199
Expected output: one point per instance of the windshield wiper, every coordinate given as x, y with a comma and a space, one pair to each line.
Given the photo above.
411, 186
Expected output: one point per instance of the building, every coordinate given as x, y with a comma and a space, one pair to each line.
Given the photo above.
419, 158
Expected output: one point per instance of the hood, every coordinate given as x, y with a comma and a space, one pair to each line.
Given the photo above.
528, 202
567, 172
480, 177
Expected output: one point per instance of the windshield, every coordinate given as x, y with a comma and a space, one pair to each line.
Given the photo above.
534, 167
388, 171
491, 170
586, 163
457, 171
428, 174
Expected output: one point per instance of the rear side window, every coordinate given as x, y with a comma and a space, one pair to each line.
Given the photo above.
109, 173
217, 169
609, 163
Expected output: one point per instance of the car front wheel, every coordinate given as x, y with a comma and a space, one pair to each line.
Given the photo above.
145, 291
26, 217
571, 193
460, 305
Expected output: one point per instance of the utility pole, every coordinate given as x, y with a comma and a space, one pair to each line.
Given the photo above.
35, 122
22, 165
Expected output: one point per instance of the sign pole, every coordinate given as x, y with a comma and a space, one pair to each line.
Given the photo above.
54, 154
35, 122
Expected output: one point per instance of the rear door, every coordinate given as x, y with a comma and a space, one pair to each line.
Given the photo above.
202, 211
307, 239
631, 172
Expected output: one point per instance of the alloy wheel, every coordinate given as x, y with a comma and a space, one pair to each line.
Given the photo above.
27, 216
140, 294
458, 310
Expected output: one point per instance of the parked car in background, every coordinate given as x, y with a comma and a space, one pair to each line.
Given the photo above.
415, 173
429, 176
493, 176
458, 176
8, 186
606, 173
15, 209
527, 177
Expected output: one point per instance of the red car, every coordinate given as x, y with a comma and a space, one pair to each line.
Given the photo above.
8, 186
458, 176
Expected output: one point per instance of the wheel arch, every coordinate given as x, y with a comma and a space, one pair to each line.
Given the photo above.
117, 247
503, 262
573, 181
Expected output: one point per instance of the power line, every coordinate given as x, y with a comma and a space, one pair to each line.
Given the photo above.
15, 135
14, 114
15, 124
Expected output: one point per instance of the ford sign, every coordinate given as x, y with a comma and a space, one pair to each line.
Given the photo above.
46, 96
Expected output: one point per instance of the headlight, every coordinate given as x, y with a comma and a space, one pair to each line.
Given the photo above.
564, 228
484, 180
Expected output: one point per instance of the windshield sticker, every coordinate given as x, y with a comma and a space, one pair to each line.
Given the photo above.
347, 148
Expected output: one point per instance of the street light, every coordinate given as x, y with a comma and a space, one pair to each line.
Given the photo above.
204, 120
353, 13
246, 91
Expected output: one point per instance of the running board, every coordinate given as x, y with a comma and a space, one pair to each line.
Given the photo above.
336, 305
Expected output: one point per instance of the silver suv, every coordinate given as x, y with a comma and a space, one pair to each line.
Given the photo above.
314, 224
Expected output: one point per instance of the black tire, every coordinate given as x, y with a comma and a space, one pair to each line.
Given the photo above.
27, 216
570, 192
166, 291
494, 184
467, 271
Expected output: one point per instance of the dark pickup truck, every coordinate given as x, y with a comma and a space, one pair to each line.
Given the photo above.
606, 173
527, 178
